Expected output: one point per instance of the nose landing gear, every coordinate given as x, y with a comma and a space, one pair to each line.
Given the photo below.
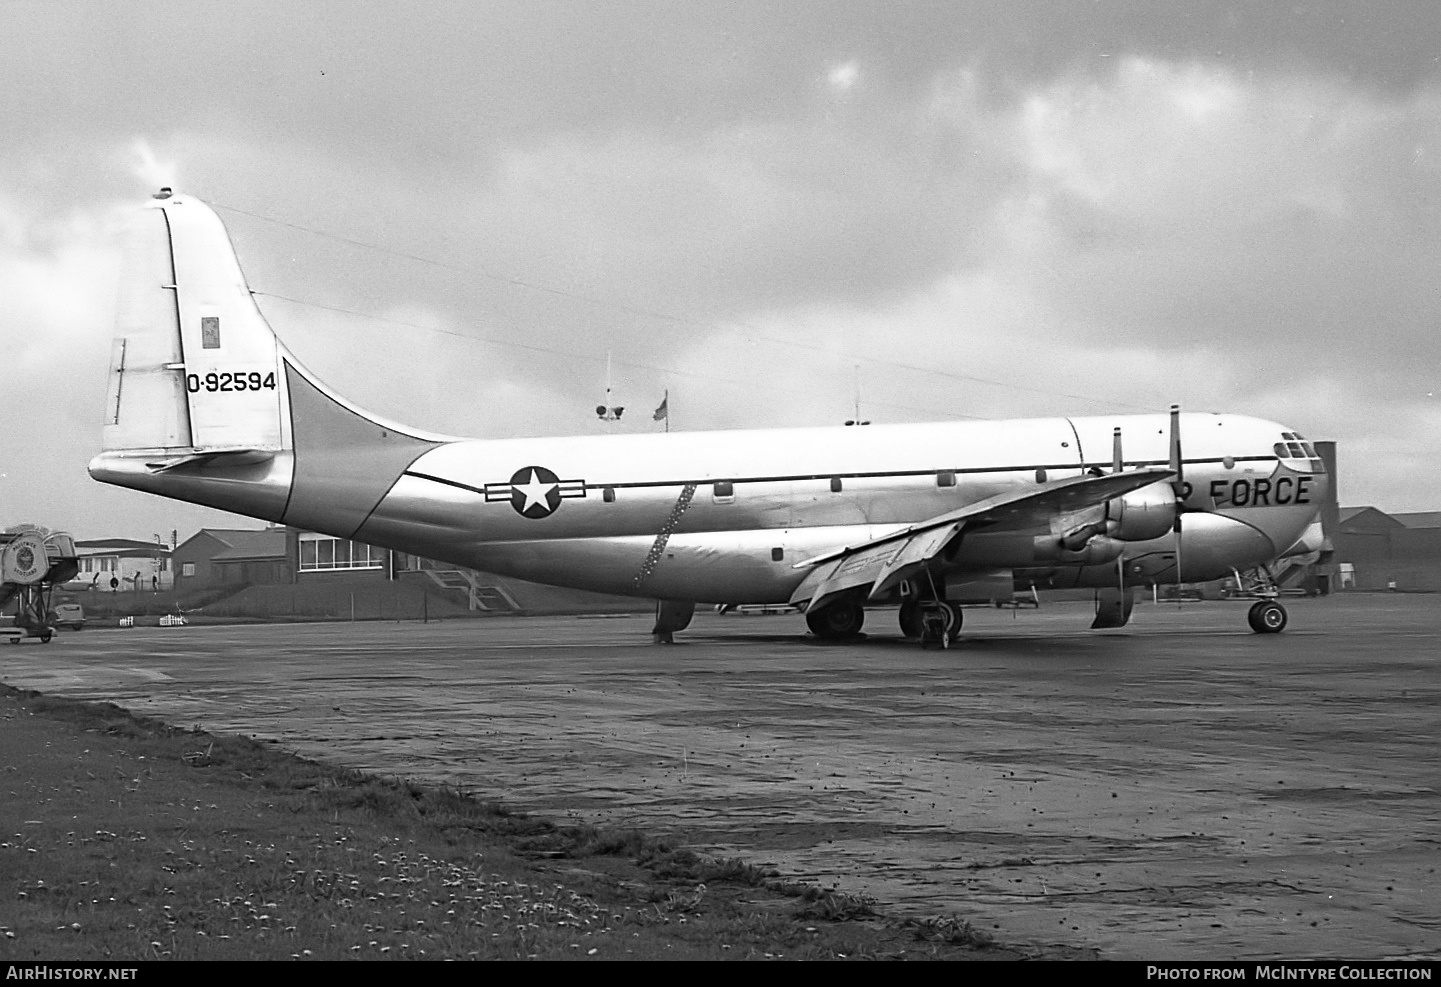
1267, 617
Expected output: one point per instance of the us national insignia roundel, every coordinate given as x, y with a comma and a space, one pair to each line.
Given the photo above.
534, 491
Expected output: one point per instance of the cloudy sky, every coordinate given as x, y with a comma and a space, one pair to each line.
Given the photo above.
454, 213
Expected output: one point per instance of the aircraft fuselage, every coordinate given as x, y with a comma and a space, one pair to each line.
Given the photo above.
207, 405
725, 516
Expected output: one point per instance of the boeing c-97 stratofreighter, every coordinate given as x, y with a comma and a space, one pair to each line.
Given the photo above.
206, 405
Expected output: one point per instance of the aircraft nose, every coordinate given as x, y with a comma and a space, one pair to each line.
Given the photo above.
1213, 543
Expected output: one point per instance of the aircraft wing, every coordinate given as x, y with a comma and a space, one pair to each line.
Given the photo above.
883, 562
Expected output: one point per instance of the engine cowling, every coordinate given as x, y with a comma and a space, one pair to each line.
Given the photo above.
1093, 550
1143, 514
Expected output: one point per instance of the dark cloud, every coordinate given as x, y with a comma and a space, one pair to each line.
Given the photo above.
989, 208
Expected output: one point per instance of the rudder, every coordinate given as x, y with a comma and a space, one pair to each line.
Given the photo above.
195, 368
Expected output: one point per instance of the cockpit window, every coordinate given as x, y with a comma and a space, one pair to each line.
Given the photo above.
1298, 454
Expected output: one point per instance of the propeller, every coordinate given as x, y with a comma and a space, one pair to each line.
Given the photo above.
1118, 462
1178, 484
1177, 466
1178, 487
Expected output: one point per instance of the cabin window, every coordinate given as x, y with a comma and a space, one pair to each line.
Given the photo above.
1298, 454
723, 492
946, 478
1040, 475
607, 494
835, 484
778, 554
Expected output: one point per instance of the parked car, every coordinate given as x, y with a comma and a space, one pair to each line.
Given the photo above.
71, 615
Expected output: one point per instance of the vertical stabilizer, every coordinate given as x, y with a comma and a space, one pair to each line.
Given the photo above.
206, 405
195, 366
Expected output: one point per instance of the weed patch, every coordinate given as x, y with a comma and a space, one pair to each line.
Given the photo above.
123, 837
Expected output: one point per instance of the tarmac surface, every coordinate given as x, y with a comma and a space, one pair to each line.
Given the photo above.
1180, 788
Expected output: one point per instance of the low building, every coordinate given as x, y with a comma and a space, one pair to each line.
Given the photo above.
1379, 551
215, 558
281, 572
121, 565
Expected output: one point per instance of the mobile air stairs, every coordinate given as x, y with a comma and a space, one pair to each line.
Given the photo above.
32, 563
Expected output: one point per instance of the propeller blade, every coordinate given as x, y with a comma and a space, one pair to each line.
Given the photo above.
1178, 484
1116, 450
1176, 462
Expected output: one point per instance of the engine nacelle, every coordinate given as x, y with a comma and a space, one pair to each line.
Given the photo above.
1095, 550
1143, 514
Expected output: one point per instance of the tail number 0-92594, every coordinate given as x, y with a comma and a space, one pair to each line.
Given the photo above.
228, 382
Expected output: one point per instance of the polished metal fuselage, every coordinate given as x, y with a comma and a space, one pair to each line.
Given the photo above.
725, 516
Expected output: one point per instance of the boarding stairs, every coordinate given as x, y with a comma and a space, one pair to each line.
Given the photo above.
33, 562
479, 595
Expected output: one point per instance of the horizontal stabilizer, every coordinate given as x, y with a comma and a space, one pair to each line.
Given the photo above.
194, 462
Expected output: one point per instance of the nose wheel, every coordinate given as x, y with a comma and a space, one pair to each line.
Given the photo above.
1267, 617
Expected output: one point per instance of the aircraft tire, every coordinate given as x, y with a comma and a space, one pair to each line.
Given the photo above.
837, 622
910, 618
958, 616
951, 619
1267, 617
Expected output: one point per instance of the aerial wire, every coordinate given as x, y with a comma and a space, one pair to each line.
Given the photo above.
736, 328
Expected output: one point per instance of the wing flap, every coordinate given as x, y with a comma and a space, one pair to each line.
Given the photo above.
859, 568
883, 562
913, 556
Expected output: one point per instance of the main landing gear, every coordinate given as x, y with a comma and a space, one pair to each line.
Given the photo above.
837, 622
936, 623
1267, 617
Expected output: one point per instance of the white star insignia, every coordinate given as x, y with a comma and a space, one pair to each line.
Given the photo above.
535, 492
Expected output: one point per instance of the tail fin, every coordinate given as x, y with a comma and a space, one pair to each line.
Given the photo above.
207, 405
196, 371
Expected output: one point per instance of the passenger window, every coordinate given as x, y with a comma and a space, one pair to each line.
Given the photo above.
723, 492
946, 478
607, 494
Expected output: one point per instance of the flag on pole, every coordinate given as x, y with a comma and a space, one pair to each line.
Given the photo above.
663, 412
